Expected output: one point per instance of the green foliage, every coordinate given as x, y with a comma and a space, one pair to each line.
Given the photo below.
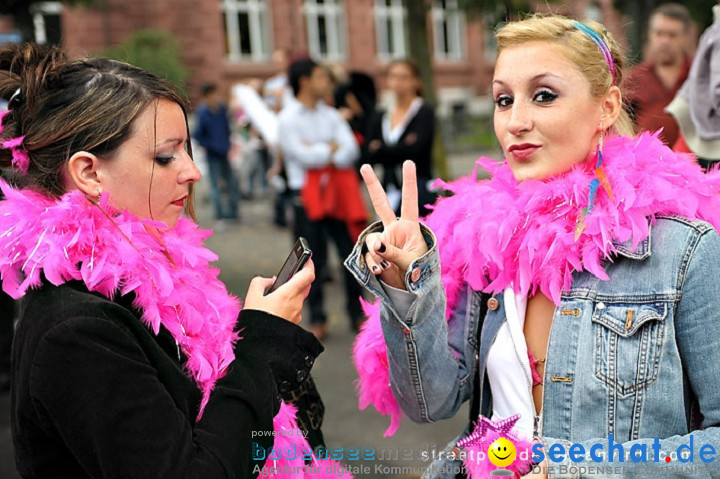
156, 51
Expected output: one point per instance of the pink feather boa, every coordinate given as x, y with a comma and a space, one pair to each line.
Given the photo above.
114, 253
497, 233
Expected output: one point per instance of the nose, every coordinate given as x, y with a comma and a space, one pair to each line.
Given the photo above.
190, 173
520, 118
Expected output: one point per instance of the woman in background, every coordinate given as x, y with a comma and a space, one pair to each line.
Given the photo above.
404, 132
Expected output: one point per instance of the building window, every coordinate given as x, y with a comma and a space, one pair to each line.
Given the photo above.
46, 22
390, 29
246, 30
325, 29
448, 30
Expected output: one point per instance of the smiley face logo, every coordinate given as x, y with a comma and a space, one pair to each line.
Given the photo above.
502, 452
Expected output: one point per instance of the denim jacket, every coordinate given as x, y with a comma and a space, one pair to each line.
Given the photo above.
637, 357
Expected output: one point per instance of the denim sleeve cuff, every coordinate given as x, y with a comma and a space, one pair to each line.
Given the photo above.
416, 277
401, 299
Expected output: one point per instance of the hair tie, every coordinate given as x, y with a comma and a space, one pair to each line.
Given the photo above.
20, 157
600, 42
15, 98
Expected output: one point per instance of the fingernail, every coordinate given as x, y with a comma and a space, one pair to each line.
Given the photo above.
384, 264
382, 248
374, 268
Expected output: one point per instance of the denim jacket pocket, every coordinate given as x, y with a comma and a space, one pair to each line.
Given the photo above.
628, 344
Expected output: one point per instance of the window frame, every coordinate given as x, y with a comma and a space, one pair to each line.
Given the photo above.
38, 11
456, 48
259, 21
336, 29
397, 15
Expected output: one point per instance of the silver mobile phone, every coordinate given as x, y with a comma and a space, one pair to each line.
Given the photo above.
295, 261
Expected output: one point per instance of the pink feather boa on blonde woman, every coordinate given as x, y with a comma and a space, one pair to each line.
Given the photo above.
175, 286
499, 233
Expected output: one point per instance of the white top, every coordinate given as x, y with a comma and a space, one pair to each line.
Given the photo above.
392, 135
305, 134
508, 366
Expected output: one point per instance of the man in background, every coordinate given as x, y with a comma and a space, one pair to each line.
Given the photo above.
212, 132
652, 84
315, 141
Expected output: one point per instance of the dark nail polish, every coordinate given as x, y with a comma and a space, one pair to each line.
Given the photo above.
385, 264
382, 248
374, 268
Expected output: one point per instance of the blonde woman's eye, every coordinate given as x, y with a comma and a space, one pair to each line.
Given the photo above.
545, 96
503, 101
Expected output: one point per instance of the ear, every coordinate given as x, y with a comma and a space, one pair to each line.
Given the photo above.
82, 171
611, 107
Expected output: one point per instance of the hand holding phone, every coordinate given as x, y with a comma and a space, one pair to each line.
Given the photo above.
266, 295
295, 261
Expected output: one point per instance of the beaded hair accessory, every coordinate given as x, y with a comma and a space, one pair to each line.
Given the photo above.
20, 157
600, 177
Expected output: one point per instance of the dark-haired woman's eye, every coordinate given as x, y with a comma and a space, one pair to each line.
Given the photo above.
164, 160
503, 101
545, 96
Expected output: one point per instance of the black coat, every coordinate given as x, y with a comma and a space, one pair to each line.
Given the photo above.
414, 144
96, 395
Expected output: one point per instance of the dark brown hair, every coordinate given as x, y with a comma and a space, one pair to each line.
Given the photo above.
412, 66
65, 106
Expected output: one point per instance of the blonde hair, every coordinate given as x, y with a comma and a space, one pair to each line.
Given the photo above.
579, 48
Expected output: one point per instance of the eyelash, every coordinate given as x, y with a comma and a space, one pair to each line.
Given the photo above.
499, 102
548, 93
164, 160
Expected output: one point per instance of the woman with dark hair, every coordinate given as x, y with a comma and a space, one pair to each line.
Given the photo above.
404, 132
131, 359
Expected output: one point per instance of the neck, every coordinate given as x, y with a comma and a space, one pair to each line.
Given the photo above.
403, 102
307, 100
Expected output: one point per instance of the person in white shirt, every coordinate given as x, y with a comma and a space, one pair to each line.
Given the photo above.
314, 136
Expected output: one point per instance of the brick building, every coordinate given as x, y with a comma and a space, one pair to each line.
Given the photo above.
226, 41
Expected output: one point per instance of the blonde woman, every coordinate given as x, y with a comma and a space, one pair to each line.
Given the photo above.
577, 282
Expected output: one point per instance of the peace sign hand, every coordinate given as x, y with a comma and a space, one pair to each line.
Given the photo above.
391, 252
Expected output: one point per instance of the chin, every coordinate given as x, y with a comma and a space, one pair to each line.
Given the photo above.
171, 221
529, 171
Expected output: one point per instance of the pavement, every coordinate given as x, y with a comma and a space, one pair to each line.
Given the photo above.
254, 246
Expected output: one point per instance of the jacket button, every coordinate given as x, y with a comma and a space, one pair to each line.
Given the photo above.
601, 306
493, 304
309, 360
415, 275
301, 375
284, 386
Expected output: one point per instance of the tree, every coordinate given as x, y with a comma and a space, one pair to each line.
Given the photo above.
156, 51
419, 50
